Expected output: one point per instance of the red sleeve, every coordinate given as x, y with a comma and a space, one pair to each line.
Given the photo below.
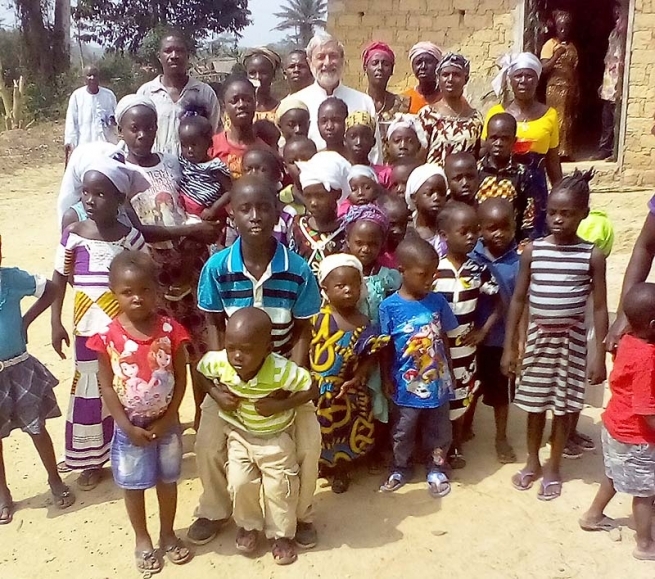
97, 343
643, 386
179, 335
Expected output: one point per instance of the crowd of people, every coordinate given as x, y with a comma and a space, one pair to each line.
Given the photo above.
343, 276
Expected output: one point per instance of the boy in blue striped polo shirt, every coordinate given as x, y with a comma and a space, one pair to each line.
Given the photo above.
257, 271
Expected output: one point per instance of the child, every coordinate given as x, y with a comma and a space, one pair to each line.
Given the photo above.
426, 195
142, 372
364, 188
360, 140
417, 369
406, 140
395, 208
27, 398
292, 118
628, 431
261, 453
400, 174
296, 149
84, 255
461, 281
332, 114
341, 354
320, 232
558, 273
497, 251
206, 182
501, 176
462, 174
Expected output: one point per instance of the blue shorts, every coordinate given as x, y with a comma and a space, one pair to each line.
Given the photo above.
142, 467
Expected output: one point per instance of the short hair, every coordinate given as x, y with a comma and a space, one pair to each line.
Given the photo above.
390, 199
298, 51
299, 141
415, 250
504, 118
269, 157
132, 261
321, 39
174, 33
336, 102
199, 123
254, 182
254, 320
577, 185
449, 211
639, 305
461, 156
90, 68
234, 78
496, 204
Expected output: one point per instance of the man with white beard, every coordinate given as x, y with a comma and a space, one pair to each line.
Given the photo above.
326, 58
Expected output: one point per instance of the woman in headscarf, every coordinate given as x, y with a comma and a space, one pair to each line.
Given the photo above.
261, 65
379, 61
424, 58
537, 143
451, 124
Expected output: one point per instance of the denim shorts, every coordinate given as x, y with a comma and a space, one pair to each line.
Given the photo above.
142, 467
631, 467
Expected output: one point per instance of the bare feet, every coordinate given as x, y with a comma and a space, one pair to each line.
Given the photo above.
61, 494
589, 522
505, 452
645, 552
6, 508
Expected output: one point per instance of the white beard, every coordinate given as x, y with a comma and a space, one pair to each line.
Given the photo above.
328, 80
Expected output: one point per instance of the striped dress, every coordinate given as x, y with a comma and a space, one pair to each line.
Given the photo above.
462, 288
553, 371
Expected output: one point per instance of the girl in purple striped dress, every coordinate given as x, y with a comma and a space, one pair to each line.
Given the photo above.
86, 251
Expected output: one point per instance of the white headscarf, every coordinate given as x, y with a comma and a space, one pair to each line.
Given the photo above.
129, 102
337, 260
326, 168
362, 171
417, 178
510, 63
425, 48
407, 121
124, 178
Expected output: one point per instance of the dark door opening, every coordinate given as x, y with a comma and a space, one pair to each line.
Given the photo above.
592, 24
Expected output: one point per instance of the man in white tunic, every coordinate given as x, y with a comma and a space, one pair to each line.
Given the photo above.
326, 59
90, 114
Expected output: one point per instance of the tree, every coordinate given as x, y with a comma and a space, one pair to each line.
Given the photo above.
302, 17
124, 24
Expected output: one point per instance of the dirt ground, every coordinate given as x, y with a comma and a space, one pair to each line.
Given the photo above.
483, 529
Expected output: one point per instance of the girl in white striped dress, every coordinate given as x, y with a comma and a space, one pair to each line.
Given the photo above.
556, 277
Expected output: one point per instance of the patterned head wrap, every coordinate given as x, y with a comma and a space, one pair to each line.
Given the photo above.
360, 118
456, 61
407, 121
129, 102
417, 179
369, 212
374, 47
509, 64
425, 48
270, 55
362, 171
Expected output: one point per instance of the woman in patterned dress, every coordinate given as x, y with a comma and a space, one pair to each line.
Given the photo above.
451, 124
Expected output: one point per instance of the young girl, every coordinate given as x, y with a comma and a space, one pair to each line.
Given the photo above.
557, 274
397, 213
341, 355
426, 194
83, 256
332, 114
27, 398
146, 449
406, 140
292, 118
359, 140
296, 149
364, 188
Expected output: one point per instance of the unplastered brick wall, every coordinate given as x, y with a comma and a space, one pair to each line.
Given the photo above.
482, 30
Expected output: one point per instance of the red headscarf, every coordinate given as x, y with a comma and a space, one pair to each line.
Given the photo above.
374, 47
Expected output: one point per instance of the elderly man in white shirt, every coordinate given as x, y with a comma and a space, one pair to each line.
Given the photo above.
326, 58
174, 92
90, 114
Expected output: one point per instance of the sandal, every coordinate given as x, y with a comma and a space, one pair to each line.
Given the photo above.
63, 468
605, 524
284, 551
456, 460
177, 293
585, 442
62, 496
89, 479
505, 453
524, 479
147, 562
177, 553
340, 483
438, 484
393, 483
246, 541
555, 485
7, 509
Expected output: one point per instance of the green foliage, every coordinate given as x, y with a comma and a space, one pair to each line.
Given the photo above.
302, 17
10, 52
48, 100
121, 73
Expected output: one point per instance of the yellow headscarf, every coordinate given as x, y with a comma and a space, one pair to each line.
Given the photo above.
360, 118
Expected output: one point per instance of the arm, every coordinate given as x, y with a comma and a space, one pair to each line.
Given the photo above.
637, 271
41, 305
598, 372
58, 332
212, 213
549, 63
70, 129
69, 218
216, 330
477, 335
163, 424
273, 405
553, 166
205, 231
302, 338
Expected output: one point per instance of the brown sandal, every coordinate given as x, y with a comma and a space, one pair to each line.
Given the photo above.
177, 553
147, 562
246, 541
284, 551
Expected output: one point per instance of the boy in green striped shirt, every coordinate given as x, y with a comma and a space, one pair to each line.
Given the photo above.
260, 449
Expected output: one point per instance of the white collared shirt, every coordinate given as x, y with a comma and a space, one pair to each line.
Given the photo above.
90, 117
167, 140
314, 95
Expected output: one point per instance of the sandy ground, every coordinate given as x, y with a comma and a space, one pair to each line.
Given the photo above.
483, 529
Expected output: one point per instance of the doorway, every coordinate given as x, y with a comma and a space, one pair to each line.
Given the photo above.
591, 30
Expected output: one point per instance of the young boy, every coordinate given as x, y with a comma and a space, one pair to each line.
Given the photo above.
400, 174
500, 176
397, 212
331, 121
417, 369
260, 450
497, 251
628, 432
256, 271
462, 281
463, 180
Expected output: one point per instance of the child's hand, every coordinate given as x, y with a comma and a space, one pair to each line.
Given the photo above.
140, 436
206, 231
59, 335
598, 373
159, 428
508, 363
279, 395
388, 388
269, 406
226, 401
474, 337
355, 383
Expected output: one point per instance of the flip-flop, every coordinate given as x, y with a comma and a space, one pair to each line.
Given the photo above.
147, 562
438, 484
605, 524
9, 508
542, 496
173, 551
89, 479
393, 483
519, 480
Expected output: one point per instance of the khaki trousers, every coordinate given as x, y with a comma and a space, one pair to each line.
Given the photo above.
211, 457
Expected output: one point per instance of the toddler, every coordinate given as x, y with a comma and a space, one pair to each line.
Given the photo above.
364, 188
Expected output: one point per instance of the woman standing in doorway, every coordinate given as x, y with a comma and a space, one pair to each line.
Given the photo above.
424, 58
537, 143
559, 57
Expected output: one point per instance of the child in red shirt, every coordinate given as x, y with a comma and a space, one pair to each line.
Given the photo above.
628, 432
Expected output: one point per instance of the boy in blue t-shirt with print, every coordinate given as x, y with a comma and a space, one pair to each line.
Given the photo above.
417, 371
